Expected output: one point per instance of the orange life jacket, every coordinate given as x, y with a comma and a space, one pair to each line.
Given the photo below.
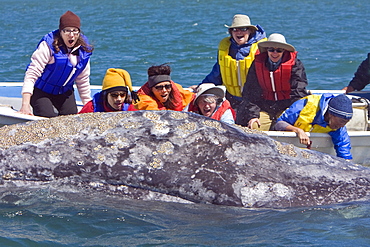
182, 98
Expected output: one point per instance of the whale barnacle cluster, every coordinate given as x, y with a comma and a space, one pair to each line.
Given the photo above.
178, 115
214, 124
286, 149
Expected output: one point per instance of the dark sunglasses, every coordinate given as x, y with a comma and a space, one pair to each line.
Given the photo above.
278, 50
160, 87
115, 95
243, 29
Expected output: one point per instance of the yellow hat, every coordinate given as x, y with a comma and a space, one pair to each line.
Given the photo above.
115, 78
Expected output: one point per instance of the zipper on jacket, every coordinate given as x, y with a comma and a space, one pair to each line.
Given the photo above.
273, 84
239, 77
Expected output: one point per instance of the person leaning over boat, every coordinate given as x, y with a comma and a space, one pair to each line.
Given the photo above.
324, 113
276, 79
161, 93
235, 56
114, 95
210, 102
61, 59
361, 78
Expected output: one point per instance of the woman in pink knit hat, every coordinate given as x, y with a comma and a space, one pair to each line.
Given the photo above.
62, 58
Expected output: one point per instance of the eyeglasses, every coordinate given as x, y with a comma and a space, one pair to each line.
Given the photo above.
73, 31
278, 50
160, 87
242, 29
115, 95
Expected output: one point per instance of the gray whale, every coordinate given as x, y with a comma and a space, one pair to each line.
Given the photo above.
175, 156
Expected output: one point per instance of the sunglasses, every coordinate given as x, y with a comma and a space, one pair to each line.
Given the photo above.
243, 29
160, 87
278, 50
115, 95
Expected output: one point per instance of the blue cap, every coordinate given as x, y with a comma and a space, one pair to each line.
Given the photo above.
341, 106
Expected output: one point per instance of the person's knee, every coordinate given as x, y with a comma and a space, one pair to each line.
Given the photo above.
44, 111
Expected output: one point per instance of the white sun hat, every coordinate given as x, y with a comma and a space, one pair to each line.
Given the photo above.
210, 88
275, 40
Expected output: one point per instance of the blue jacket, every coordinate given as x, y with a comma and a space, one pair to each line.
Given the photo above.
54, 80
237, 52
340, 138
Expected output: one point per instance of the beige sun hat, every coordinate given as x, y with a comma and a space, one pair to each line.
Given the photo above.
275, 40
241, 21
210, 88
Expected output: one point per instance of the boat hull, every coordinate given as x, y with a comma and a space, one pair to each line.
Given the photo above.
360, 142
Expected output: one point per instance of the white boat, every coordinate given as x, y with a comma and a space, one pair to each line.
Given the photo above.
360, 142
10, 103
358, 127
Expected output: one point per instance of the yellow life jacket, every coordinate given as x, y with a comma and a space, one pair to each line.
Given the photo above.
233, 72
308, 114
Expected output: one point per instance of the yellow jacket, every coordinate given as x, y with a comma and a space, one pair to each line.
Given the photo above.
234, 73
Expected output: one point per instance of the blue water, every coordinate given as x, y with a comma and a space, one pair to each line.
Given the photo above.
43, 218
332, 40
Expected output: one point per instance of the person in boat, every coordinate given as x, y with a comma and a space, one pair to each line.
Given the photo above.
324, 113
115, 94
361, 78
276, 79
210, 102
235, 56
161, 93
62, 58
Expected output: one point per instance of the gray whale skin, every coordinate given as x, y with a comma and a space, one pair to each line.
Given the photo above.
174, 156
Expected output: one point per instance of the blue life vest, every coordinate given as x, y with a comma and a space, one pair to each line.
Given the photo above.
54, 80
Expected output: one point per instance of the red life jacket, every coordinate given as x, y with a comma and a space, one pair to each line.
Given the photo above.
216, 115
281, 76
221, 110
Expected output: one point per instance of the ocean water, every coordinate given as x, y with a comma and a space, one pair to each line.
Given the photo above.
332, 40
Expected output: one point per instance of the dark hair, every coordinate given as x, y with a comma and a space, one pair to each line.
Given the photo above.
58, 43
163, 69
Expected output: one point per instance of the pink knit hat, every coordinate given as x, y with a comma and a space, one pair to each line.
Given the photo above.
69, 19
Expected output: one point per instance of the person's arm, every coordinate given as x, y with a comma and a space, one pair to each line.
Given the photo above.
248, 108
214, 76
254, 121
298, 81
39, 59
348, 89
342, 143
361, 77
26, 106
228, 117
83, 84
284, 126
287, 119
